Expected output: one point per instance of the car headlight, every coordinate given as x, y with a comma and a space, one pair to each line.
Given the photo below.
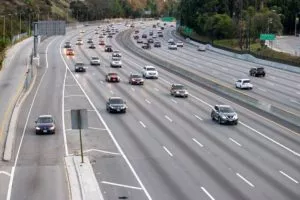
52, 128
186, 92
37, 128
223, 116
177, 92
235, 117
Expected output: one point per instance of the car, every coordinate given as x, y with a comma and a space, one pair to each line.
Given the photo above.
116, 53
132, 26
150, 72
178, 90
92, 46
224, 114
157, 44
150, 40
90, 40
243, 84
70, 52
108, 48
151, 33
144, 35
172, 46
153, 26
179, 44
95, 60
171, 40
110, 35
101, 42
67, 45
79, 42
82, 31
257, 71
136, 37
154, 35
146, 45
136, 31
162, 28
116, 62
79, 67
101, 36
96, 32
160, 34
139, 41
116, 104
45, 124
136, 79
201, 47
112, 77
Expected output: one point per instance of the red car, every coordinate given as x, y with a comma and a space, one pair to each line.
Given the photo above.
70, 52
112, 77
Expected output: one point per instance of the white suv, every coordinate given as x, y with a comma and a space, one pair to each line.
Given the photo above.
150, 72
243, 84
116, 62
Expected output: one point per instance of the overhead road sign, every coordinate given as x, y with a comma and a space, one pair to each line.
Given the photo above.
50, 28
267, 37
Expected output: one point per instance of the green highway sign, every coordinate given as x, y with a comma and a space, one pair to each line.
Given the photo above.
187, 30
168, 19
267, 37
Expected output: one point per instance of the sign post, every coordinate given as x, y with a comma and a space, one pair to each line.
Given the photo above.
79, 121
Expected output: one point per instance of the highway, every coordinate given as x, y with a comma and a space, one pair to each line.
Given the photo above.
163, 147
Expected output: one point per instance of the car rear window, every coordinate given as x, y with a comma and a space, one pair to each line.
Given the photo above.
247, 81
260, 69
136, 76
178, 87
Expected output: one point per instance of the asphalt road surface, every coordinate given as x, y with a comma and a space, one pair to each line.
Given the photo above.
163, 147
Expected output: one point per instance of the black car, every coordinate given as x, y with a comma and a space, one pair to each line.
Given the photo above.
68, 45
79, 67
146, 46
157, 44
144, 35
45, 124
116, 104
257, 71
135, 37
108, 48
224, 114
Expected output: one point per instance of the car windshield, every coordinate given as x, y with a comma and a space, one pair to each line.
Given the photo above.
45, 120
79, 64
226, 110
95, 58
112, 74
260, 69
178, 87
136, 76
116, 101
116, 58
150, 69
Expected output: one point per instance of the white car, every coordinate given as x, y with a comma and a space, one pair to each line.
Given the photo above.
79, 42
179, 44
201, 47
150, 72
116, 62
95, 61
243, 84
170, 41
172, 46
154, 35
116, 53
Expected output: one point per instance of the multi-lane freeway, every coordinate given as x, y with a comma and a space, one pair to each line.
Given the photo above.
162, 148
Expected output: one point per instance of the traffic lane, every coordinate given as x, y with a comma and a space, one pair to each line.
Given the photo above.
112, 180
41, 157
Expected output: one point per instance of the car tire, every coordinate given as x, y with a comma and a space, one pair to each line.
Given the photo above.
219, 120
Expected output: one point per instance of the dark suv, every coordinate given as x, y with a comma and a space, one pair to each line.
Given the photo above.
224, 114
116, 104
257, 71
45, 124
178, 90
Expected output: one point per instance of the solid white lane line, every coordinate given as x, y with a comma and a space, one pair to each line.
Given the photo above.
101, 129
75, 95
121, 185
142, 124
24, 129
4, 172
244, 179
156, 89
173, 100
207, 193
201, 101
235, 142
102, 151
111, 135
270, 139
168, 118
147, 101
289, 177
294, 101
201, 145
198, 117
167, 150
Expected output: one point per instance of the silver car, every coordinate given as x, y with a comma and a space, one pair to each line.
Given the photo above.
224, 114
95, 61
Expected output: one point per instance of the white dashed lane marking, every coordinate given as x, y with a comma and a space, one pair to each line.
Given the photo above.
207, 193
142, 124
197, 142
173, 100
232, 140
147, 101
244, 179
167, 150
289, 177
168, 118
198, 117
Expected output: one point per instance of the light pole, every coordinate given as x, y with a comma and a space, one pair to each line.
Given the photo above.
296, 22
3, 27
11, 32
